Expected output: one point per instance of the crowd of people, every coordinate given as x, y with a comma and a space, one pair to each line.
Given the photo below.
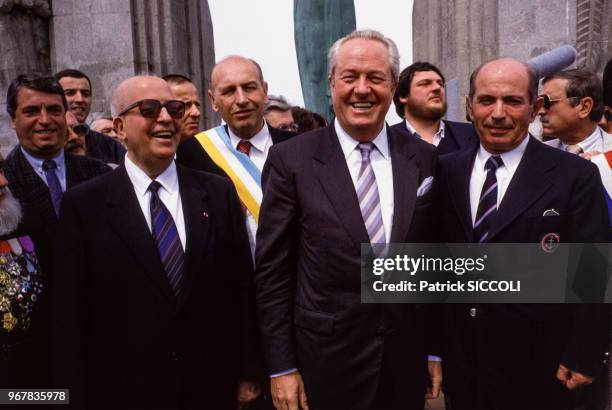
147, 263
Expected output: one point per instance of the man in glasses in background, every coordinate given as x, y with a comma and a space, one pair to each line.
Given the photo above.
39, 170
155, 300
75, 141
104, 125
78, 92
183, 89
278, 113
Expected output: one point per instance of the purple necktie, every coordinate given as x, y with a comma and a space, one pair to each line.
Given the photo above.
167, 240
367, 193
55, 189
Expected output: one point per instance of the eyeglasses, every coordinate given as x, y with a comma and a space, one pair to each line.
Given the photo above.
288, 127
80, 130
152, 108
548, 102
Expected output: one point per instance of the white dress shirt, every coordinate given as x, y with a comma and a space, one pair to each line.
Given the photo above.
261, 143
380, 159
168, 193
37, 165
437, 136
503, 174
594, 142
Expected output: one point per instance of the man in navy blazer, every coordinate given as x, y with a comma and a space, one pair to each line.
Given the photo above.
513, 356
154, 301
421, 101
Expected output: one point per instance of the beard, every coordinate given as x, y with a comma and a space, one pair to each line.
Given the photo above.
425, 112
10, 212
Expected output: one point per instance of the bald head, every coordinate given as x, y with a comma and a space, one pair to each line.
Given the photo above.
134, 86
506, 64
232, 60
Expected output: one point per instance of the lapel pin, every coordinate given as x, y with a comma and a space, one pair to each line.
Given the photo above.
550, 212
205, 214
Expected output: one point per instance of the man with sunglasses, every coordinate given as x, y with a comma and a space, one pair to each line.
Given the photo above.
75, 141
155, 301
78, 92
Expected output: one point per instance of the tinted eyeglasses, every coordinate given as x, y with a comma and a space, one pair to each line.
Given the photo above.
80, 129
548, 102
152, 108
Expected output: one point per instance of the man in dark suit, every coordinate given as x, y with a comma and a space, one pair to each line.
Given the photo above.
238, 92
512, 356
421, 101
323, 346
78, 91
154, 303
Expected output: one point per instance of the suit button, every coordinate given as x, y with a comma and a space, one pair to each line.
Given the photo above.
174, 356
473, 312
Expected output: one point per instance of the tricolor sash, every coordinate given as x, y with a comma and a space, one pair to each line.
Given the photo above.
604, 163
238, 166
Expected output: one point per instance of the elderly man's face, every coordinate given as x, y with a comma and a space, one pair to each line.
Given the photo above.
151, 142
561, 119
78, 95
187, 93
75, 143
105, 126
40, 122
362, 87
280, 119
239, 96
500, 108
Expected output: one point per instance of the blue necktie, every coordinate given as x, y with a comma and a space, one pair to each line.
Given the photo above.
167, 240
487, 206
55, 189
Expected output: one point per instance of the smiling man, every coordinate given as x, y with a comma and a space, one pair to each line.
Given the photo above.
164, 249
420, 99
511, 188
326, 192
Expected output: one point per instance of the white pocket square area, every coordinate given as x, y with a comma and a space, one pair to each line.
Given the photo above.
425, 186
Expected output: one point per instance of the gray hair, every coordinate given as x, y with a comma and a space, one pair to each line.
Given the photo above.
394, 59
277, 102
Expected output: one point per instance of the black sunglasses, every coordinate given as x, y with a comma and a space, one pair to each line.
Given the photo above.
548, 102
80, 129
152, 108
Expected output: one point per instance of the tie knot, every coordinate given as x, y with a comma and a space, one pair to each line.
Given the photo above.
244, 146
49, 164
365, 148
493, 163
154, 187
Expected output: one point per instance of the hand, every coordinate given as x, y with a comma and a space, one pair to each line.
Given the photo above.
288, 392
247, 392
571, 379
435, 378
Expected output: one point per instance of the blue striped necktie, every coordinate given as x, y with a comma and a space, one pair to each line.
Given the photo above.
367, 193
55, 189
487, 206
167, 239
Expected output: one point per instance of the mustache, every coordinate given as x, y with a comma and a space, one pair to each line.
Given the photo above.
73, 144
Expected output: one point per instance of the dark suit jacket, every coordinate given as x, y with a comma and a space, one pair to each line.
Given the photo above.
104, 148
457, 136
191, 154
509, 353
308, 273
120, 328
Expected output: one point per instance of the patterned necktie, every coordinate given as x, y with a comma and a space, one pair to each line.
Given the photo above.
574, 149
167, 239
244, 146
55, 189
367, 193
487, 206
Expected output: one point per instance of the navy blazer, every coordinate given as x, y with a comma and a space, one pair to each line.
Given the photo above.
457, 136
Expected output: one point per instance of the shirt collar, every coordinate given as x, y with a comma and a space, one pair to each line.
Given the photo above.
510, 158
259, 141
349, 144
141, 181
593, 142
37, 163
439, 133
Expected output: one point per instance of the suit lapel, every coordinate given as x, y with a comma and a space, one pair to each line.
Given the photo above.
126, 218
405, 184
528, 184
335, 178
196, 212
458, 184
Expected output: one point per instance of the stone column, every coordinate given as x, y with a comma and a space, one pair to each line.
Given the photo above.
24, 30
112, 40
